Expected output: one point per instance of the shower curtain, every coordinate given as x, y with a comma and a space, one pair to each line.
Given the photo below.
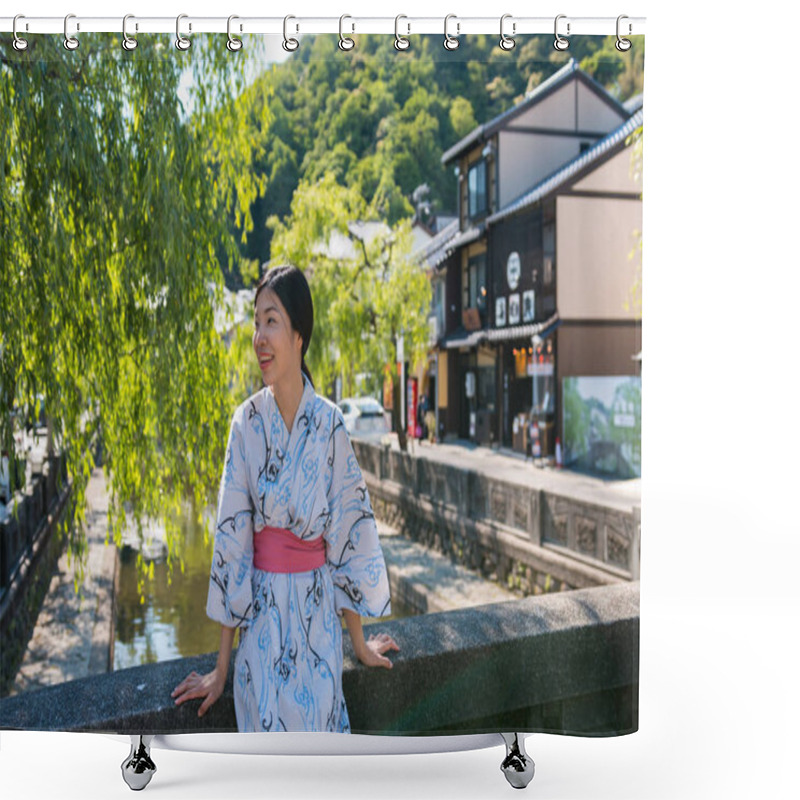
469, 221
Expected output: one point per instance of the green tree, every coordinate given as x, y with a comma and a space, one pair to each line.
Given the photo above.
114, 208
362, 301
462, 117
380, 120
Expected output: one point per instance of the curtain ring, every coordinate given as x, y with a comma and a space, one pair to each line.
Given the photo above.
400, 42
289, 45
561, 43
181, 42
507, 42
345, 42
234, 44
70, 42
623, 45
19, 43
451, 42
128, 42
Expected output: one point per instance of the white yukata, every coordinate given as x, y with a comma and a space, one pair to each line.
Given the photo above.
288, 668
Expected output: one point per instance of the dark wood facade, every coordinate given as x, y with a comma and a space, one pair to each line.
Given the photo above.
527, 239
523, 234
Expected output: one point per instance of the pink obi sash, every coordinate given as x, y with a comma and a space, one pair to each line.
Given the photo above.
279, 550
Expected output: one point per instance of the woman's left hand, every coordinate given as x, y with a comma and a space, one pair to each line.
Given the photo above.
374, 648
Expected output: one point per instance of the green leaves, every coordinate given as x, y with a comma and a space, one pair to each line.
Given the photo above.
366, 288
113, 205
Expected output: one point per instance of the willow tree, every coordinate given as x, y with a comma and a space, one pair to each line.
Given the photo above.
367, 292
114, 201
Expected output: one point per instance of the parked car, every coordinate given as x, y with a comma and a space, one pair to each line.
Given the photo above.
364, 416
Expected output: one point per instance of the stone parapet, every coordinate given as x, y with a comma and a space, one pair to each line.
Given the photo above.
564, 663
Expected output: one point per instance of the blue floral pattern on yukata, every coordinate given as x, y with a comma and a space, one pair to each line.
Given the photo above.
288, 667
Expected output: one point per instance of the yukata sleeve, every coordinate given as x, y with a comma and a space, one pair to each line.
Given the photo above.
354, 554
230, 593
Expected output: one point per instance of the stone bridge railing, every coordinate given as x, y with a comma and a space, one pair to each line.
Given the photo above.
561, 663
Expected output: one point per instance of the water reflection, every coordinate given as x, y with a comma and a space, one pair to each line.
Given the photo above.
172, 621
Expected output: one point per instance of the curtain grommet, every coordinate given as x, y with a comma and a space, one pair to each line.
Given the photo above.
70, 42
451, 42
507, 42
560, 42
233, 44
623, 45
182, 43
18, 42
289, 44
401, 42
128, 42
345, 42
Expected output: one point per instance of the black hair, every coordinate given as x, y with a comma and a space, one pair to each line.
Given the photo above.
291, 286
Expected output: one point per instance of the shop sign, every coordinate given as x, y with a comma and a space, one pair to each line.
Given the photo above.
513, 309
513, 270
543, 370
411, 406
528, 306
500, 311
471, 319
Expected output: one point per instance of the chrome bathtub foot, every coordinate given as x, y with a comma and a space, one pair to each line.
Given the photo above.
138, 768
517, 766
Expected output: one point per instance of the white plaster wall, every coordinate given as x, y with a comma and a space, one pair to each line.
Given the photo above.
613, 176
555, 111
594, 271
593, 113
524, 159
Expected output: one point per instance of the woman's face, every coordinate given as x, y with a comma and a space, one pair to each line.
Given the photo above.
278, 347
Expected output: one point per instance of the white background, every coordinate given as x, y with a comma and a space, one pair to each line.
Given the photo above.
719, 696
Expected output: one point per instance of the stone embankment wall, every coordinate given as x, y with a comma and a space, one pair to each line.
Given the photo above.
532, 541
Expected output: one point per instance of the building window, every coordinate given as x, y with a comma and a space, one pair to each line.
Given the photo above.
474, 283
438, 304
548, 270
548, 252
476, 187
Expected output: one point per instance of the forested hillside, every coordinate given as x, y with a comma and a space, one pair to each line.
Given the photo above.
380, 120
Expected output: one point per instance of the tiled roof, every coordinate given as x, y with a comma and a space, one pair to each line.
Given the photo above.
523, 331
445, 242
434, 251
464, 339
633, 104
531, 98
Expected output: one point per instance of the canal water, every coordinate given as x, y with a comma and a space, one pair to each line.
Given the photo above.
170, 620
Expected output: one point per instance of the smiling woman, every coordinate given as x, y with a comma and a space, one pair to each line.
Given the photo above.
296, 542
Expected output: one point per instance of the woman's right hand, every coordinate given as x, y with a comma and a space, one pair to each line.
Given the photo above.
209, 686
